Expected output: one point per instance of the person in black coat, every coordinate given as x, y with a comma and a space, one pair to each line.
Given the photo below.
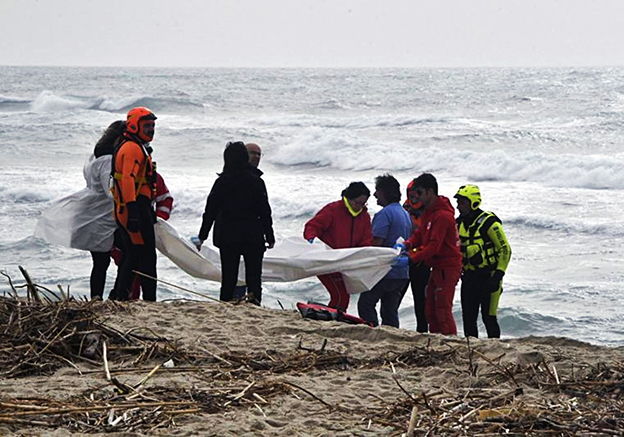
238, 206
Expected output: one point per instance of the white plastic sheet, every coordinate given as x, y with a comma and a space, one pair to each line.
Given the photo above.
290, 260
83, 220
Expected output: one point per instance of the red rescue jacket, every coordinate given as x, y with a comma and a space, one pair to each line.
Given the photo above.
163, 199
437, 240
335, 226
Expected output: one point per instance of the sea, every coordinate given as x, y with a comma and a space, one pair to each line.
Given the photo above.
545, 145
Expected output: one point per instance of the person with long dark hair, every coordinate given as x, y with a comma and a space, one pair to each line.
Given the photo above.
103, 154
84, 220
238, 207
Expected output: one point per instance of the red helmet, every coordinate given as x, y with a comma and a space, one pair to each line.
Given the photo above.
135, 116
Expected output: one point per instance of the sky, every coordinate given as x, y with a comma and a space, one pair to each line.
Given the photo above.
312, 33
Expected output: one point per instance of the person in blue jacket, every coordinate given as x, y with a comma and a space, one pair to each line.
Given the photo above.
389, 224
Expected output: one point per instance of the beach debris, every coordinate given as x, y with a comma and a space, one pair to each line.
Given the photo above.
484, 393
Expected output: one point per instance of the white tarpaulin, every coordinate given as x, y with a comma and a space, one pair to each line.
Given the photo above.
290, 260
83, 220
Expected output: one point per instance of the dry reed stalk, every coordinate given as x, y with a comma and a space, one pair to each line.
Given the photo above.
41, 336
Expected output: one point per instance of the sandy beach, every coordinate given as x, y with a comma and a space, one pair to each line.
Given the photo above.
207, 368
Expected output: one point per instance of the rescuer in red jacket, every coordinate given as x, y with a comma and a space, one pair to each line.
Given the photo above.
436, 243
418, 272
342, 224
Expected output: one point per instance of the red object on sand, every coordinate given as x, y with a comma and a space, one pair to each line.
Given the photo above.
323, 312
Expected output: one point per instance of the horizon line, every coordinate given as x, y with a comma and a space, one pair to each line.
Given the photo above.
249, 67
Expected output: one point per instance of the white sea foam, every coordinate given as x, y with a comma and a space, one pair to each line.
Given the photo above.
118, 104
345, 150
50, 102
565, 225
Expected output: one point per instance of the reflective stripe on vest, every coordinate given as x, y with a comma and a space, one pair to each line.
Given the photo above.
478, 250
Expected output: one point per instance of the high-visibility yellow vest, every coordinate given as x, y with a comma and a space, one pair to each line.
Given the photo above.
478, 246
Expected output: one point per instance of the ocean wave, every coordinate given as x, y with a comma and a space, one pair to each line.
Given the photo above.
27, 244
346, 150
48, 101
23, 195
285, 209
522, 98
159, 104
522, 322
8, 99
10, 104
565, 226
343, 149
564, 170
331, 103
359, 122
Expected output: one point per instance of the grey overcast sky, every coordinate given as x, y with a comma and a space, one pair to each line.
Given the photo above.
312, 33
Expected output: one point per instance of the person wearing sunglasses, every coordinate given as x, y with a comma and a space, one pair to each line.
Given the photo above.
418, 272
436, 243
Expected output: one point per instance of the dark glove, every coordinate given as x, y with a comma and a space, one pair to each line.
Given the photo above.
133, 224
495, 280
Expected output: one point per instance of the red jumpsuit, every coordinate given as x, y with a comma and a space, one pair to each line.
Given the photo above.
436, 243
335, 226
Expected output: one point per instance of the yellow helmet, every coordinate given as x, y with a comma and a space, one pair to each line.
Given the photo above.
472, 193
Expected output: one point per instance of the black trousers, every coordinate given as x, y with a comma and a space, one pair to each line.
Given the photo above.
419, 277
139, 257
475, 295
230, 259
97, 281
389, 292
101, 262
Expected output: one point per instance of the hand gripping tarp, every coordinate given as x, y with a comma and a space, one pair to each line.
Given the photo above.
290, 260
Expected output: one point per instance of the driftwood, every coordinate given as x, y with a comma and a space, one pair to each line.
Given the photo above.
40, 335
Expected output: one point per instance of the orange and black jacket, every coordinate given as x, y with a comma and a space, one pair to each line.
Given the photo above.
415, 211
133, 176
